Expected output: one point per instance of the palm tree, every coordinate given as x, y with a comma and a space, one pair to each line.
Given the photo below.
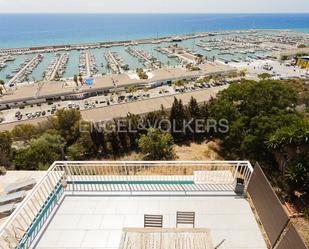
243, 73
27, 78
75, 79
57, 77
131, 89
2, 83
80, 79
108, 67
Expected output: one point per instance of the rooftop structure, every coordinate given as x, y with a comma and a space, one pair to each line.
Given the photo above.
303, 62
94, 204
150, 205
52, 90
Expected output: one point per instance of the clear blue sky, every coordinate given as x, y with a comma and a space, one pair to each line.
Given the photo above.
155, 6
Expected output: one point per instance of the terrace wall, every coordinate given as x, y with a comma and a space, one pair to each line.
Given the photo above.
291, 239
275, 221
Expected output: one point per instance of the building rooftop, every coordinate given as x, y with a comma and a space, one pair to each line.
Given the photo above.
93, 204
57, 88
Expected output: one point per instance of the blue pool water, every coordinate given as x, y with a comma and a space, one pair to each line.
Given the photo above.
131, 182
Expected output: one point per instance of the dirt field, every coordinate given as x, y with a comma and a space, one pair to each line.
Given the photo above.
203, 151
206, 151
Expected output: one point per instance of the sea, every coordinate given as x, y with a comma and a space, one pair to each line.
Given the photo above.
26, 30
23, 30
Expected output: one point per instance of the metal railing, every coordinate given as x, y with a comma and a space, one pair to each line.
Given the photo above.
21, 228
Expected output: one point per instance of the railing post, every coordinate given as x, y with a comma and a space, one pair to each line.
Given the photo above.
236, 171
11, 237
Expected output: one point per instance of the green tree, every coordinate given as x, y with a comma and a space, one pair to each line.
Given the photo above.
41, 153
297, 174
25, 132
254, 110
194, 114
67, 123
133, 121
131, 89
6, 143
177, 120
27, 78
264, 76
156, 145
179, 83
113, 142
82, 149
75, 79
296, 133
80, 79
2, 86
57, 76
141, 74
99, 143
243, 72
301, 46
5, 148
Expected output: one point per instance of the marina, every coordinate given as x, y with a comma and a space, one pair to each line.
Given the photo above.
152, 53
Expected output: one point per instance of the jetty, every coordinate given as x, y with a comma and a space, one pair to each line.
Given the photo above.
4, 59
116, 63
183, 55
57, 68
26, 69
87, 64
148, 60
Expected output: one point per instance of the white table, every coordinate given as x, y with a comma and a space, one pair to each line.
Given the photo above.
166, 238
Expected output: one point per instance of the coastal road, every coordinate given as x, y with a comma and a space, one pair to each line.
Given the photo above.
138, 107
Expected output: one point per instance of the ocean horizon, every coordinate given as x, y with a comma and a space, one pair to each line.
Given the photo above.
27, 30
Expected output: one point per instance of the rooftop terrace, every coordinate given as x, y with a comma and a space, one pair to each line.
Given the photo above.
97, 222
88, 205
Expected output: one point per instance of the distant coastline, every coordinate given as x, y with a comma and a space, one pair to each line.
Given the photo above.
107, 44
32, 30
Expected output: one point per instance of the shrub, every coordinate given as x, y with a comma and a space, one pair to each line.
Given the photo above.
2, 171
306, 213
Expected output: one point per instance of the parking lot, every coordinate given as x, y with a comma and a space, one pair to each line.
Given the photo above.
279, 70
48, 109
